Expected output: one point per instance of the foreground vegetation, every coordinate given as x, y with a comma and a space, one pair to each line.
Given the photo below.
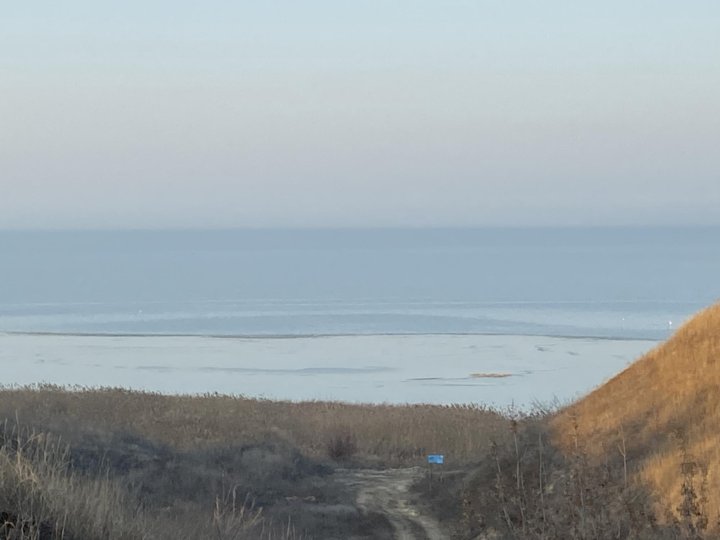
118, 464
664, 411
637, 458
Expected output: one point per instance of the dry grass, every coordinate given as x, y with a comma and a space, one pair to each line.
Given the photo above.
143, 465
663, 413
41, 497
387, 434
636, 458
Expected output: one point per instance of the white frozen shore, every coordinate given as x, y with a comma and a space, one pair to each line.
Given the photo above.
374, 368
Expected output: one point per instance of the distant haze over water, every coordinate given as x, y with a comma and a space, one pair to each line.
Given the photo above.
610, 283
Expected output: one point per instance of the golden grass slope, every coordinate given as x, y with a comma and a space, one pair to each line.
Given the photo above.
662, 412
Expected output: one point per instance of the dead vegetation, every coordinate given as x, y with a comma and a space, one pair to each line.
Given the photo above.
392, 435
531, 489
662, 414
44, 495
636, 458
111, 463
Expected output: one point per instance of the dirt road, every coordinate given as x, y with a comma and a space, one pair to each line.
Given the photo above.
387, 492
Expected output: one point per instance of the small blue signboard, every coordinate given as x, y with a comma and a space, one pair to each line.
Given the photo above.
437, 459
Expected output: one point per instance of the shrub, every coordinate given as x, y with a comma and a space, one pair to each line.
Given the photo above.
341, 446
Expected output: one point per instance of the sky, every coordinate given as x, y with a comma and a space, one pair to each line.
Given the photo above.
380, 113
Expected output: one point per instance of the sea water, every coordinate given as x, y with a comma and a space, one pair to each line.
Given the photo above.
449, 315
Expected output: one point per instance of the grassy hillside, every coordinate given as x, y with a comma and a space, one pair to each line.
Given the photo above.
662, 417
639, 457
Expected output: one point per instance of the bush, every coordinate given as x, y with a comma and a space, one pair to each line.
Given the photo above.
342, 447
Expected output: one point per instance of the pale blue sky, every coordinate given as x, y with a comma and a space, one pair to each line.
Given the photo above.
372, 113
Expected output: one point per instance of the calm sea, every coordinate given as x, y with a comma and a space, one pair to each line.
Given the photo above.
613, 283
441, 316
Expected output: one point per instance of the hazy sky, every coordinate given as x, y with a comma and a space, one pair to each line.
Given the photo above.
366, 113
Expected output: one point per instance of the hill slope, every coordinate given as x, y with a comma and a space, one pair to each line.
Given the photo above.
663, 412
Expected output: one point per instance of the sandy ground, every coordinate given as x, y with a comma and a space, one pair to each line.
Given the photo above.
387, 492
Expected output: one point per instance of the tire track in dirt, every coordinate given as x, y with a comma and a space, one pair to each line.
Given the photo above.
386, 491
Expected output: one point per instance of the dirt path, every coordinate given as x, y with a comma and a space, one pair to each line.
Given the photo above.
387, 492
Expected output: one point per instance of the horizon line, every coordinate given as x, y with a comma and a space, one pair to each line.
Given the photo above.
399, 228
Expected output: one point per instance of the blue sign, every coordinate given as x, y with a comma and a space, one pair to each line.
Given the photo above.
438, 459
